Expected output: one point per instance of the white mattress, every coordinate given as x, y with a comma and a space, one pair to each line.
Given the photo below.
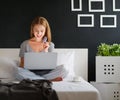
76, 90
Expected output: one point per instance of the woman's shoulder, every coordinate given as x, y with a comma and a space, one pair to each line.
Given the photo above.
52, 44
25, 42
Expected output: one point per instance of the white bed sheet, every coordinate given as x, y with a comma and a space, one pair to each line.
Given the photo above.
68, 90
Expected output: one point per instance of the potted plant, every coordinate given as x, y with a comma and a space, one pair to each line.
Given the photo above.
108, 63
108, 50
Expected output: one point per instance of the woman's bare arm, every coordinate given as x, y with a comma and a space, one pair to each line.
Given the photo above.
22, 62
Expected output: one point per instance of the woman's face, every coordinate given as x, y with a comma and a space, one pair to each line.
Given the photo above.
39, 31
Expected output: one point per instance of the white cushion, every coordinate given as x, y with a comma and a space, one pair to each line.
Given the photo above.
67, 59
8, 69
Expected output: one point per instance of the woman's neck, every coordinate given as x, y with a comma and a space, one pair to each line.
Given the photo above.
36, 40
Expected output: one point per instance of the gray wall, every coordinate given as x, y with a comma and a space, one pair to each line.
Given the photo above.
15, 20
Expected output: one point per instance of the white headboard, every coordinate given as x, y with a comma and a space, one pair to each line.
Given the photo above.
80, 62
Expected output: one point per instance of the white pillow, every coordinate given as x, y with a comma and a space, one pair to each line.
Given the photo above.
67, 59
8, 69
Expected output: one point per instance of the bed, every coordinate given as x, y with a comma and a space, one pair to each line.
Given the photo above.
76, 85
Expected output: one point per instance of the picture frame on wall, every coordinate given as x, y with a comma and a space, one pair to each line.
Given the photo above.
79, 5
108, 21
114, 6
85, 20
96, 5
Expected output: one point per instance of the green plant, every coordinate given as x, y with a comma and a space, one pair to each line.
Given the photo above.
108, 50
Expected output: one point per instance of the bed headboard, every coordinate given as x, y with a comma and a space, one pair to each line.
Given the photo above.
80, 62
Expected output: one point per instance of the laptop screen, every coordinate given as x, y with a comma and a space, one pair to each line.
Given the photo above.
40, 61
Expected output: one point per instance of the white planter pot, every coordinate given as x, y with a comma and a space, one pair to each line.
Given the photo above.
107, 91
108, 69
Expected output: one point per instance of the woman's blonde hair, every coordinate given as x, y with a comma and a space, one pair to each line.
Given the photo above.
44, 22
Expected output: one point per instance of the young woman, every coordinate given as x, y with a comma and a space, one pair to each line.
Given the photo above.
39, 30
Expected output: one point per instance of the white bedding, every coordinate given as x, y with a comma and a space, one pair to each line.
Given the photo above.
82, 90
67, 90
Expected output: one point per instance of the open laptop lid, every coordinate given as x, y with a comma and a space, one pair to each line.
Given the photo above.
40, 61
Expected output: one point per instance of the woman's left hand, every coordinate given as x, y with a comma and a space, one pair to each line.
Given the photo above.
46, 46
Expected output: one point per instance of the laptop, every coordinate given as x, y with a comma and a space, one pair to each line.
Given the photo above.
40, 61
